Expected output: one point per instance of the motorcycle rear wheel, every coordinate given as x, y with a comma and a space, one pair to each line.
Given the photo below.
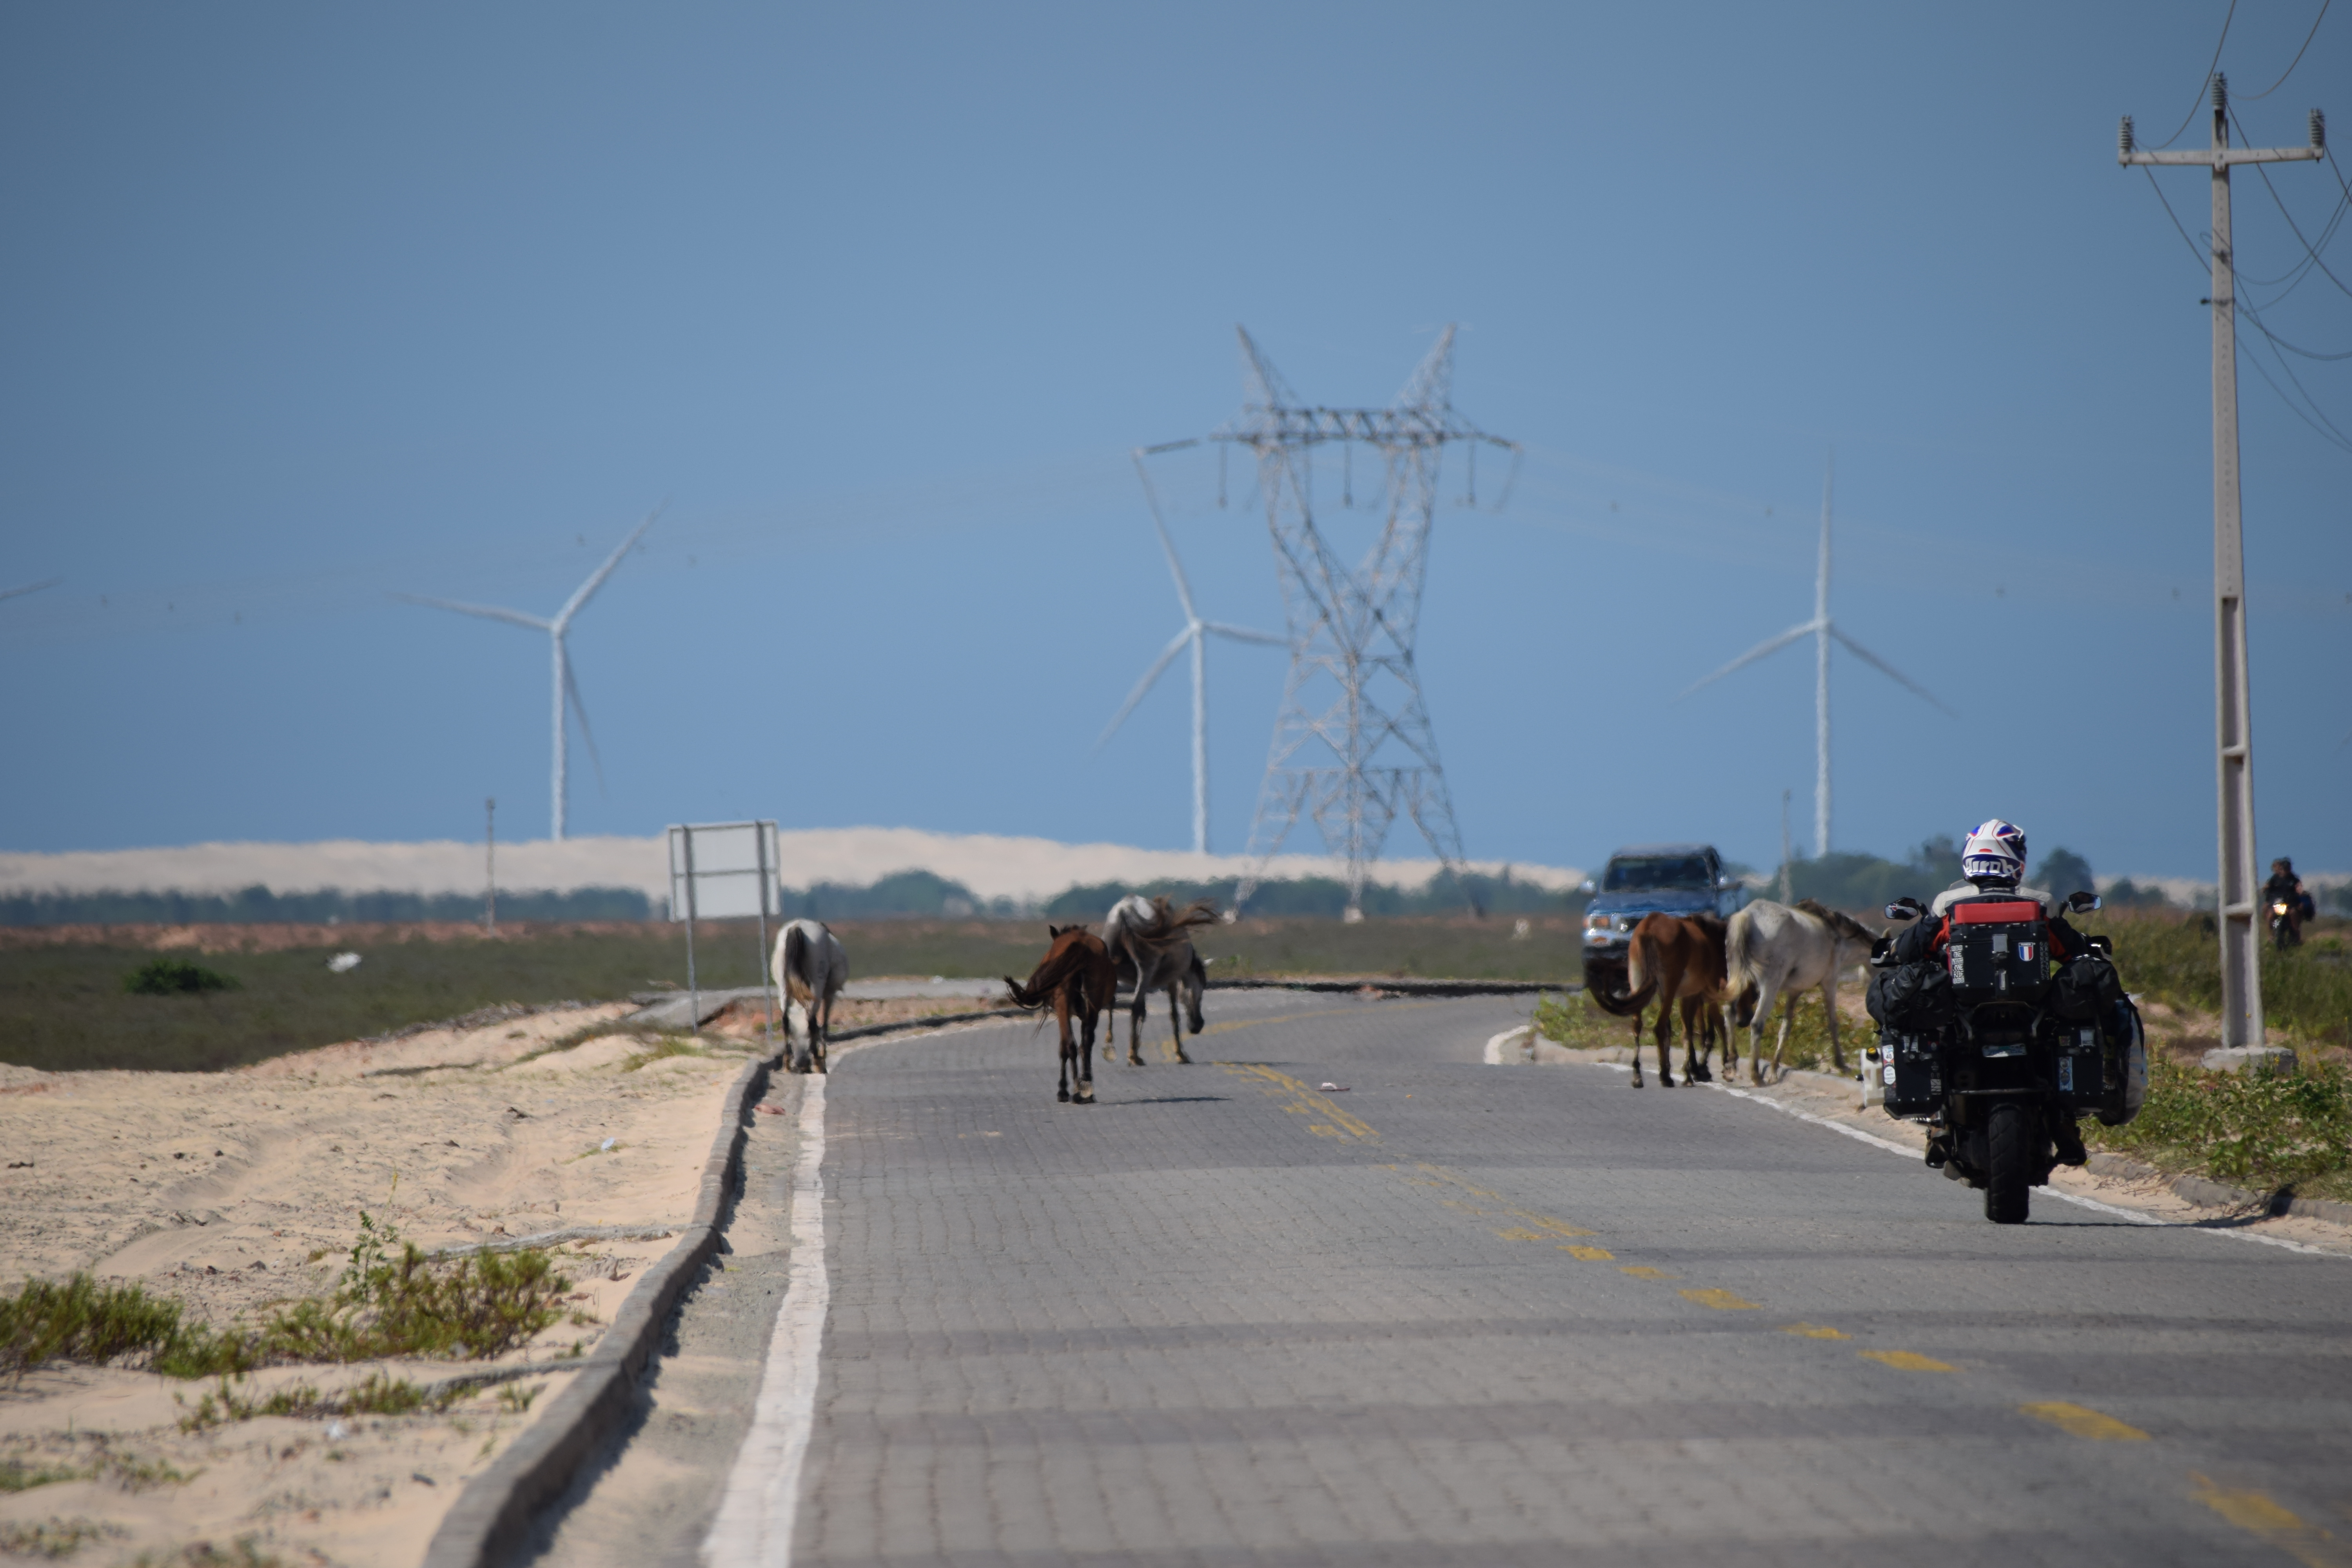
2009, 1134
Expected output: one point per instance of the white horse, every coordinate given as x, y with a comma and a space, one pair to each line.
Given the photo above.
1773, 953
1155, 940
810, 967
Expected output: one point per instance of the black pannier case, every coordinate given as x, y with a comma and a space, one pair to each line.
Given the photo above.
1998, 950
1911, 1072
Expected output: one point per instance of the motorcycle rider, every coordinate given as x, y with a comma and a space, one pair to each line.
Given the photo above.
1992, 865
2284, 887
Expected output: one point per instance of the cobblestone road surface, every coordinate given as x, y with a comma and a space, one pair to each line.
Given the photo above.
1471, 1315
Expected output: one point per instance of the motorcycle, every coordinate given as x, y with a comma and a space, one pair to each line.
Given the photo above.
2285, 929
2000, 1051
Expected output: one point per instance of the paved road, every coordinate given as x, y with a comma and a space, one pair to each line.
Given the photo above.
1472, 1315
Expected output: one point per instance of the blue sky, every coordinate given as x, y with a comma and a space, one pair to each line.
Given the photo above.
304, 306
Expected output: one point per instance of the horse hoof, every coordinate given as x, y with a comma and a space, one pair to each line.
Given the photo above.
1183, 1057
1063, 1095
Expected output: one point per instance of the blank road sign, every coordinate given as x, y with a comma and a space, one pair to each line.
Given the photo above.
722, 870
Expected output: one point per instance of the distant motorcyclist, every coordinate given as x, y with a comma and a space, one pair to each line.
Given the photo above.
1992, 864
2286, 888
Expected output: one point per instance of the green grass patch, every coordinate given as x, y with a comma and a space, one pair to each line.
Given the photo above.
1575, 1022
664, 1046
174, 978
378, 1394
55, 1538
391, 1300
88, 1320
124, 1470
2261, 1128
2177, 960
242, 1552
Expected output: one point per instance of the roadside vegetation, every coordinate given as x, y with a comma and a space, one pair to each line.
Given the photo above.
391, 1300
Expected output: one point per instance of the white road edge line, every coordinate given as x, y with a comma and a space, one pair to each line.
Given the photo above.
1857, 1134
1495, 1046
760, 1506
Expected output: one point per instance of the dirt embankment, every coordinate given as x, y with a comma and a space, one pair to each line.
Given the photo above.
232, 1190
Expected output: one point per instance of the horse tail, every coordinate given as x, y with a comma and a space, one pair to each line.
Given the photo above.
796, 966
1739, 965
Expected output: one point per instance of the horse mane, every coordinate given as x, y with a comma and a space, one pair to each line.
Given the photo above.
1169, 924
1840, 923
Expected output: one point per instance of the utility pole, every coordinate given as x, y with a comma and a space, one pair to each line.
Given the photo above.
2241, 988
1785, 850
490, 864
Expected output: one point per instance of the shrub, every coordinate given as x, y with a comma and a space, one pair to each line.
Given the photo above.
174, 978
83, 1319
407, 1305
2262, 1128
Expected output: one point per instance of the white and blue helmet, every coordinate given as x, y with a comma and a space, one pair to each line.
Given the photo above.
1994, 852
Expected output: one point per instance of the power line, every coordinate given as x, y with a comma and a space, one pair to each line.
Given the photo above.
2278, 201
2216, 60
2298, 54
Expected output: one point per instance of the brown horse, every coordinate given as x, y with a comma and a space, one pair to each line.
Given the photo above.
1675, 959
1076, 977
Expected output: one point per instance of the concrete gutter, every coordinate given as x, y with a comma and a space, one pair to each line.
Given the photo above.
493, 1516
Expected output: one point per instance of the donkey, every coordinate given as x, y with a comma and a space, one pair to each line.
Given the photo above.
1155, 939
1078, 978
1675, 959
1774, 952
810, 967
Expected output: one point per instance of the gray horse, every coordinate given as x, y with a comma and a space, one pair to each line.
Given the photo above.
1775, 953
1154, 940
810, 967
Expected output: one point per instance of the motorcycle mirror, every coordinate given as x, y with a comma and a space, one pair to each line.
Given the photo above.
1902, 909
2082, 900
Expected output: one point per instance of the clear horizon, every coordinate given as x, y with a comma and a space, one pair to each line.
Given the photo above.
309, 308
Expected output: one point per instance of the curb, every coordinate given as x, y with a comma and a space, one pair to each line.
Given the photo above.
2215, 1195
493, 1516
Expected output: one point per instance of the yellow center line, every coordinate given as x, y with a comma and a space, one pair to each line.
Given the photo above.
1306, 1102
1908, 1360
1644, 1271
2259, 1514
1721, 1300
1815, 1331
2081, 1421
1590, 1254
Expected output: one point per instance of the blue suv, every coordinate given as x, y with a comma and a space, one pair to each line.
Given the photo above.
1649, 878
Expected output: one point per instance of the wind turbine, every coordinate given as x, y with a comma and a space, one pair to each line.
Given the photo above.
566, 688
1821, 628
1196, 633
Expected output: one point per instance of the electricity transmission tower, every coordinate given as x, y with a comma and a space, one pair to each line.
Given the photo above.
1352, 745
2242, 928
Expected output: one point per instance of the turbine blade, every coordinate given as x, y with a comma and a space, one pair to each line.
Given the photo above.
1431, 386
572, 692
1158, 667
1770, 646
578, 601
29, 588
1167, 545
1887, 670
1243, 634
488, 612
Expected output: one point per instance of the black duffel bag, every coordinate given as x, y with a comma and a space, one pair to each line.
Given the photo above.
1911, 998
2087, 991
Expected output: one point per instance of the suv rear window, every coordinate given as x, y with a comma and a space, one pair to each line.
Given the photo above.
1640, 873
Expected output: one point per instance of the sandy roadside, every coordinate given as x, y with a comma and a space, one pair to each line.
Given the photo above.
228, 1191
1826, 1098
